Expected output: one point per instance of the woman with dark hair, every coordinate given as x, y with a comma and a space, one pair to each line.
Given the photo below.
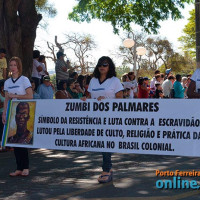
35, 94
17, 87
82, 80
105, 85
62, 92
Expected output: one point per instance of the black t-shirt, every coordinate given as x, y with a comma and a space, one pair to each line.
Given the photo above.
157, 93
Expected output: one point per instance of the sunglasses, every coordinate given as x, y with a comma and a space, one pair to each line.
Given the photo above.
103, 65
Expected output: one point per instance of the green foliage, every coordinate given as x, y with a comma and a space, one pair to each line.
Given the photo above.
188, 40
180, 64
53, 79
146, 13
45, 7
122, 70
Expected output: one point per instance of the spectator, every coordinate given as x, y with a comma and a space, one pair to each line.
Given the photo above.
167, 86
158, 92
134, 91
184, 84
74, 75
43, 64
3, 64
126, 93
143, 89
35, 94
82, 81
168, 72
178, 88
79, 90
45, 90
61, 69
162, 78
37, 68
128, 84
62, 93
152, 83
157, 79
71, 88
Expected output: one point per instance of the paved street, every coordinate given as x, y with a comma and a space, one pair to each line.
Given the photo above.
72, 175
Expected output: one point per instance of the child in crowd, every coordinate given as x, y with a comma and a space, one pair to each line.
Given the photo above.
158, 92
126, 93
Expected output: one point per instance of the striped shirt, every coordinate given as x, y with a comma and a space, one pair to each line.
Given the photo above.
60, 74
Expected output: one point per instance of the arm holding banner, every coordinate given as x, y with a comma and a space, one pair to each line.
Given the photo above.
28, 95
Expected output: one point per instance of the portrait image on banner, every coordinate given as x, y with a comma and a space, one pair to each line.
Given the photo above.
21, 126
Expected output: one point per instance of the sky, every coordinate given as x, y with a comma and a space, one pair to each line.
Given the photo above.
107, 42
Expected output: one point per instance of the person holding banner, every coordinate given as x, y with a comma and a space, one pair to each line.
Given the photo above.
105, 85
17, 87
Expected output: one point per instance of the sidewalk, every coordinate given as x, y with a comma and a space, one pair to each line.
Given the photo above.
73, 175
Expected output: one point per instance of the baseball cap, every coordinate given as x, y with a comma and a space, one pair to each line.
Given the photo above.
146, 78
46, 78
168, 70
59, 54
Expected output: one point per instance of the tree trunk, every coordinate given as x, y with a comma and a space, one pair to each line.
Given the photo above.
18, 24
197, 21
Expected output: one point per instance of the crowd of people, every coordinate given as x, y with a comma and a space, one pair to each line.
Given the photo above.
102, 84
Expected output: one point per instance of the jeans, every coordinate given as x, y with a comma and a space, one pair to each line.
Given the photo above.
107, 163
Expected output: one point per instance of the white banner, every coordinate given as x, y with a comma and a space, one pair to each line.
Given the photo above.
141, 126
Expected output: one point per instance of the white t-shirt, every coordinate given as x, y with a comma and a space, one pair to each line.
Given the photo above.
35, 73
167, 86
17, 86
43, 69
129, 85
152, 83
196, 77
107, 88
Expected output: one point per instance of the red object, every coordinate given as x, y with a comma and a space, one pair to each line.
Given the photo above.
142, 94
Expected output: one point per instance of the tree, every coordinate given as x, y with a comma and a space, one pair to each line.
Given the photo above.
122, 12
81, 45
19, 20
188, 40
180, 64
158, 51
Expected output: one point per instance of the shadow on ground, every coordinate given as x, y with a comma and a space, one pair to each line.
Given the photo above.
72, 175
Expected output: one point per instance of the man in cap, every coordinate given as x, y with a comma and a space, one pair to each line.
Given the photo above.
3, 64
61, 68
45, 90
168, 72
